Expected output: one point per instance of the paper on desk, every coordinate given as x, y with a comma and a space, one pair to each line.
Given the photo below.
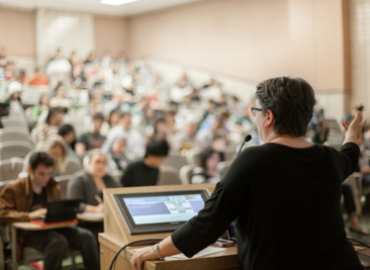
203, 253
93, 215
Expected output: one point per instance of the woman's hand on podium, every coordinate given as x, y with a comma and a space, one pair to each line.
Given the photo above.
142, 255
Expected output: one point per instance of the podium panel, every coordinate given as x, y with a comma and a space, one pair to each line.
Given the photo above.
116, 235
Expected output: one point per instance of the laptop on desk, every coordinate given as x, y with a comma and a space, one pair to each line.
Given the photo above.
59, 212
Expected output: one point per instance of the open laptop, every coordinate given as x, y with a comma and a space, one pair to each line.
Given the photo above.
59, 212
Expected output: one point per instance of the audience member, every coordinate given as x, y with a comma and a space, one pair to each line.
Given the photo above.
88, 184
92, 139
186, 138
43, 106
27, 199
160, 129
117, 159
67, 132
38, 78
207, 173
51, 125
349, 203
14, 100
145, 172
60, 99
57, 148
114, 117
135, 141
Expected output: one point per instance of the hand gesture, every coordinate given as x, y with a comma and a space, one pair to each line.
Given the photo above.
356, 126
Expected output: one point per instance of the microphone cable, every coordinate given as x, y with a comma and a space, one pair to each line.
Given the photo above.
152, 241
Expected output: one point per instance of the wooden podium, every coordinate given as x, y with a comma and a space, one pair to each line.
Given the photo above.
117, 235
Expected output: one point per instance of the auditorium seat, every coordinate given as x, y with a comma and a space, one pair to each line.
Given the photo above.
73, 165
9, 169
63, 182
13, 123
8, 136
223, 166
186, 174
12, 149
175, 160
193, 156
168, 176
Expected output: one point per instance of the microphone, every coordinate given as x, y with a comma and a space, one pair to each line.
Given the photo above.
246, 139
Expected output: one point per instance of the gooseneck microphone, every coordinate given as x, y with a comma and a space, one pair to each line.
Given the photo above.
246, 139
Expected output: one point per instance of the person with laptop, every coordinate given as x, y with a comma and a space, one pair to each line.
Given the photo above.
27, 199
145, 172
284, 196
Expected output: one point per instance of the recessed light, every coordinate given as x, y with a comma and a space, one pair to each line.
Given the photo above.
116, 2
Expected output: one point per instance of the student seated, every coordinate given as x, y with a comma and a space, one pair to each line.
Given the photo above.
90, 183
207, 173
27, 199
68, 133
57, 148
51, 125
92, 139
117, 160
145, 172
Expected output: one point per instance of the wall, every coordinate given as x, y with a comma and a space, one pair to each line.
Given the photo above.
18, 33
249, 39
70, 31
110, 34
360, 51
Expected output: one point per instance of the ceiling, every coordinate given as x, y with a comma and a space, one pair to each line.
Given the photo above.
94, 6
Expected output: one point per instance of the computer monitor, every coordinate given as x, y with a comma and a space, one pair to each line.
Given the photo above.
155, 212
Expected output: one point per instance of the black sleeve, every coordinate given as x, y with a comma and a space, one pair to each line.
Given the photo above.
226, 203
127, 176
350, 154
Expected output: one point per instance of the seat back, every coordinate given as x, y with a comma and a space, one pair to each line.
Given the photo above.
12, 149
168, 176
73, 165
8, 136
9, 169
186, 173
63, 182
230, 155
193, 156
7, 123
223, 166
176, 161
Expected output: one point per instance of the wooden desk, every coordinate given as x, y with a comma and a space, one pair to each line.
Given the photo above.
28, 226
89, 219
219, 261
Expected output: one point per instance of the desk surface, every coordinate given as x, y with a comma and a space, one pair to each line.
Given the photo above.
223, 260
91, 218
28, 226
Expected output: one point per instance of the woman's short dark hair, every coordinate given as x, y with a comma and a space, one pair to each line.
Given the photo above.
291, 100
42, 158
65, 129
157, 148
205, 155
98, 116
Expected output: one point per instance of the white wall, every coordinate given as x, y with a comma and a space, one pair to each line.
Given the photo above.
70, 31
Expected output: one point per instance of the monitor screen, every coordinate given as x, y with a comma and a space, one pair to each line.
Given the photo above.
159, 211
